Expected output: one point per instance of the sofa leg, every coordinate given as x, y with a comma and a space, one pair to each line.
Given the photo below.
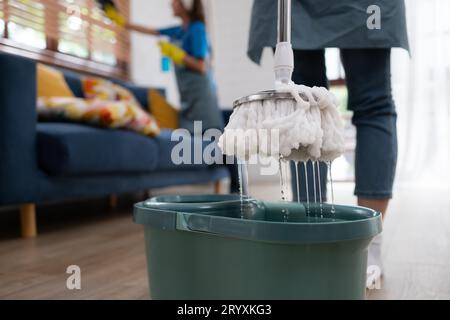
217, 187
113, 201
28, 220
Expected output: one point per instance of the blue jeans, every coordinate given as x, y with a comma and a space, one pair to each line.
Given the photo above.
368, 79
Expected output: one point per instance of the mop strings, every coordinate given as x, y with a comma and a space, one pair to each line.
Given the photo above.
307, 127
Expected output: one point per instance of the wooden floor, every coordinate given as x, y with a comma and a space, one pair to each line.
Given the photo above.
109, 248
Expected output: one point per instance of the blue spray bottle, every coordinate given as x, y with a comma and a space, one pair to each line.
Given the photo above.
165, 60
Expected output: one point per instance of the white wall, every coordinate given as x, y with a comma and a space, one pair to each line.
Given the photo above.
228, 24
236, 75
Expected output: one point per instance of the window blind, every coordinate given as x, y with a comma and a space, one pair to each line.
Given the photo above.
72, 27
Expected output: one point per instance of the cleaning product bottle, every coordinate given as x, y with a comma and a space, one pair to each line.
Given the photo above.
165, 60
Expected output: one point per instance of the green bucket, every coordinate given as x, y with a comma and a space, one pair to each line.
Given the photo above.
219, 247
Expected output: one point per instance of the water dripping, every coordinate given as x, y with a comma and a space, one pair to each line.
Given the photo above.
320, 190
243, 184
297, 178
307, 187
314, 180
283, 178
283, 168
333, 209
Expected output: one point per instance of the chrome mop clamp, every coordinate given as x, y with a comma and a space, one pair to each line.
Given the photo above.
283, 59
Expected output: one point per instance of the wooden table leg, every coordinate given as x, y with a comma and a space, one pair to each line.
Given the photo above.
113, 201
28, 220
217, 187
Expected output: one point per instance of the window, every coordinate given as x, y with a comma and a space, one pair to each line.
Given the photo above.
26, 22
103, 41
74, 32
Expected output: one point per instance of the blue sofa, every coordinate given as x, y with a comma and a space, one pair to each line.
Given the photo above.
44, 161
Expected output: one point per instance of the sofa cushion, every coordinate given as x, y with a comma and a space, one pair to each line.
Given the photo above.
73, 80
165, 146
165, 115
51, 82
71, 149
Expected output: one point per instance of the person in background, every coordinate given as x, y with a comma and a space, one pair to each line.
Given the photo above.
365, 48
189, 50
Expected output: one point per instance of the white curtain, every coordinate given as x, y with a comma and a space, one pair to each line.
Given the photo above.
421, 85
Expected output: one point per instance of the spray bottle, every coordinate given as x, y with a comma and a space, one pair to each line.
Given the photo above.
165, 60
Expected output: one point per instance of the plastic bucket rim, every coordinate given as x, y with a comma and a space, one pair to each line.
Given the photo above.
371, 213
260, 230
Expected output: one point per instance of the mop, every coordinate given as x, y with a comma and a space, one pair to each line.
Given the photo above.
293, 122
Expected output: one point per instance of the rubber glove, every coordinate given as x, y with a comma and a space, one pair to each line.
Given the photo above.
113, 15
172, 51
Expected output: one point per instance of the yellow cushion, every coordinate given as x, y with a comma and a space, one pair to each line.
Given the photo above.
166, 116
51, 83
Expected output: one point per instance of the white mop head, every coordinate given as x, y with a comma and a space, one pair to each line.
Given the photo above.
299, 130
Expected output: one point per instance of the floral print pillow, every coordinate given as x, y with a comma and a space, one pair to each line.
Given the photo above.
97, 88
105, 113
101, 89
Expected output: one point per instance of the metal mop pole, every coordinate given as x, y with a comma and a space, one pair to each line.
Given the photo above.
284, 57
284, 21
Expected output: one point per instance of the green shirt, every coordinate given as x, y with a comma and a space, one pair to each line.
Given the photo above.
318, 24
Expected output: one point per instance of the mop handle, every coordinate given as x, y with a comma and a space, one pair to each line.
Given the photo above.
284, 56
284, 21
